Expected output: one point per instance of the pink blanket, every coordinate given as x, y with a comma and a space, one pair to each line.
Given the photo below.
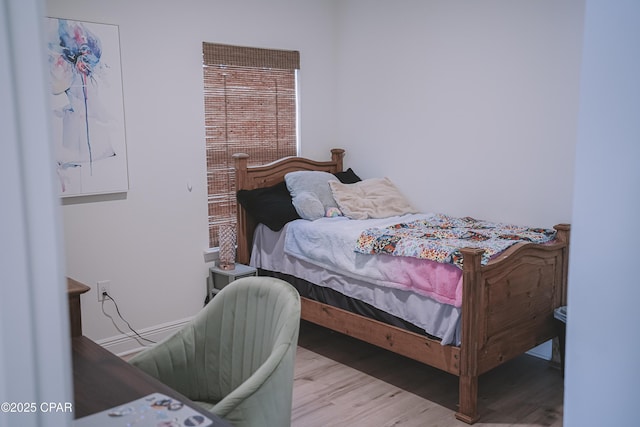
442, 282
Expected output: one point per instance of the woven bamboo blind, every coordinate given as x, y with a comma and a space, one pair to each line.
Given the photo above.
250, 107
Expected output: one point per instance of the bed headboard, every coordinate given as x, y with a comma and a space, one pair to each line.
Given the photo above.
252, 177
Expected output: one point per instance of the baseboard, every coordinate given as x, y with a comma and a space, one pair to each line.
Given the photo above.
123, 345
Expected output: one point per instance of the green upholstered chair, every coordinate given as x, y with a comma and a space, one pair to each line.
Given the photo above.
236, 357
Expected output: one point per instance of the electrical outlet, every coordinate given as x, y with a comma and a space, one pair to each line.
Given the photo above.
104, 286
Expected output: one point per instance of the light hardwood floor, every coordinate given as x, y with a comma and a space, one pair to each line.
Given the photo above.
340, 381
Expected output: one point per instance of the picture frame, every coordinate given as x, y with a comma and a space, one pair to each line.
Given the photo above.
87, 107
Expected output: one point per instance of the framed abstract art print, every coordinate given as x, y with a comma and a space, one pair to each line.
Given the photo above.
87, 110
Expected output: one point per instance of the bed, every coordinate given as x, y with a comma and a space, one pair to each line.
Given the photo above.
506, 307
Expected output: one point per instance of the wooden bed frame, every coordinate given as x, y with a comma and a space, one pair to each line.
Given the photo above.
507, 305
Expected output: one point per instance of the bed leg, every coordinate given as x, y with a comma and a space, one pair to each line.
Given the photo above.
471, 321
468, 409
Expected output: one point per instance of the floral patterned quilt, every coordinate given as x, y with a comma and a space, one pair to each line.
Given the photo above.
440, 238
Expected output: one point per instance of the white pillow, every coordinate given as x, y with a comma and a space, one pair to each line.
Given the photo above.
371, 198
310, 190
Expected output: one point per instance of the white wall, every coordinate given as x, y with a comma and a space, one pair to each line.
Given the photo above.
150, 243
469, 106
602, 373
495, 82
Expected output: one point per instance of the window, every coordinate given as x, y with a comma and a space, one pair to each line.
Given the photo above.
250, 107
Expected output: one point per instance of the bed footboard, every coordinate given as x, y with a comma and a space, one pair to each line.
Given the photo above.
508, 308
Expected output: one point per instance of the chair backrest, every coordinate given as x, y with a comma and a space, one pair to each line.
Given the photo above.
237, 355
243, 325
258, 320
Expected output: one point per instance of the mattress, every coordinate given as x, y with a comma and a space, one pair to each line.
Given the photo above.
437, 319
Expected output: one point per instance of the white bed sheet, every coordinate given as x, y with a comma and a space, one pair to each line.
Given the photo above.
438, 319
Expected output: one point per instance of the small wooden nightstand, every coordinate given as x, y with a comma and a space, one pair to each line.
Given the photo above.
74, 290
219, 278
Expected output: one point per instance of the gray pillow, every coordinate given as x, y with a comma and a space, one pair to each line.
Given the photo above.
310, 192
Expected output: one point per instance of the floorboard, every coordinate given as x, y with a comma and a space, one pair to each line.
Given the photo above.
340, 381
